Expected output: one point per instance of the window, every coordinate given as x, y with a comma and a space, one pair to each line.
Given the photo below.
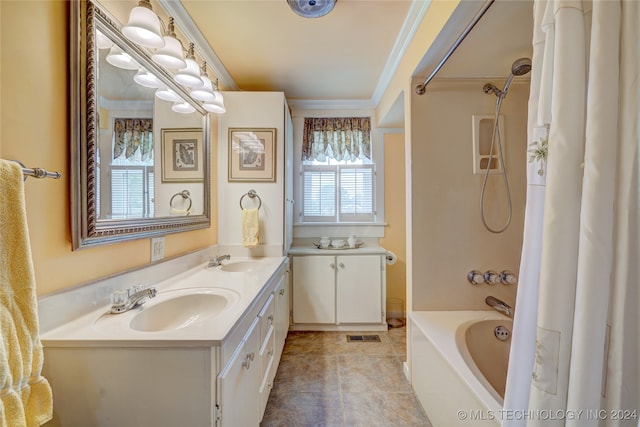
338, 175
132, 192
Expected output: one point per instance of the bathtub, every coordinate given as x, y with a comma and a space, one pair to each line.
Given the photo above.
457, 365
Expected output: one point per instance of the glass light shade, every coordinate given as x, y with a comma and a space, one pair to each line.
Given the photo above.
167, 94
217, 105
190, 75
183, 107
146, 79
120, 59
143, 27
205, 93
103, 41
170, 55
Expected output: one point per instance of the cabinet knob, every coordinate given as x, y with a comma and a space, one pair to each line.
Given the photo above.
332, 265
270, 318
246, 363
341, 265
281, 292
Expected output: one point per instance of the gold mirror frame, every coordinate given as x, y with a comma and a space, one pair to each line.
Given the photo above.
87, 230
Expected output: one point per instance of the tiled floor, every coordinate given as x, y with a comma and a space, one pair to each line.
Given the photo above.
323, 380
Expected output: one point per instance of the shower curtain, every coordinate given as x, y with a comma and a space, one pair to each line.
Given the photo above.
575, 353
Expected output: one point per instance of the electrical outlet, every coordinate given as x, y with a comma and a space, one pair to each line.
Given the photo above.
157, 248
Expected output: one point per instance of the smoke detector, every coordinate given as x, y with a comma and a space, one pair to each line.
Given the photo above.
311, 8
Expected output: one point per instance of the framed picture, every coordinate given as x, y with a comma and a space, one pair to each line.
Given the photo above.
252, 154
182, 155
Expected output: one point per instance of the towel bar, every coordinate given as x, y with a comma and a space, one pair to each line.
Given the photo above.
252, 194
37, 172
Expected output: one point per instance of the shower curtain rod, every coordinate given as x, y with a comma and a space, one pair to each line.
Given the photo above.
421, 88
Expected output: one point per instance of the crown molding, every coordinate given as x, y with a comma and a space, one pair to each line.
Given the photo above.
408, 30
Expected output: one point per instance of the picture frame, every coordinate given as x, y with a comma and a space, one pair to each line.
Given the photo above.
182, 155
252, 155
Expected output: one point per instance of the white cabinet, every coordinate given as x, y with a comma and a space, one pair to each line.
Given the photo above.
244, 384
338, 289
239, 381
358, 289
282, 312
314, 291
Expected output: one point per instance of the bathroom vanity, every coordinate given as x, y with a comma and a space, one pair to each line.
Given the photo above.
203, 352
337, 289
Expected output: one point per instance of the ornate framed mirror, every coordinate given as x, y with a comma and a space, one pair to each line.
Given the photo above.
139, 168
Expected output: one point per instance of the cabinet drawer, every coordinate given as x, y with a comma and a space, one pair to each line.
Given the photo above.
267, 351
265, 318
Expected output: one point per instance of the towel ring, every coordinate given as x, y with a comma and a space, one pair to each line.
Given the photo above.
185, 195
252, 195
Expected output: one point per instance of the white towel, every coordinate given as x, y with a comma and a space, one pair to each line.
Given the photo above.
25, 395
250, 228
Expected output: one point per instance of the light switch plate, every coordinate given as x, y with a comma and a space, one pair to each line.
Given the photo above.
157, 248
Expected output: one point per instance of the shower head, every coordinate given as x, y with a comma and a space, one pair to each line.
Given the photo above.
520, 67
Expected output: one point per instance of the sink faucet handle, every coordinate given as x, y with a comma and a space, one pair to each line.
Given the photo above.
119, 297
491, 277
508, 278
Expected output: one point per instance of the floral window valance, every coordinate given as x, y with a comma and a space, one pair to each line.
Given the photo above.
339, 138
131, 135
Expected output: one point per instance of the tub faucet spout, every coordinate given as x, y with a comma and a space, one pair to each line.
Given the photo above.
499, 305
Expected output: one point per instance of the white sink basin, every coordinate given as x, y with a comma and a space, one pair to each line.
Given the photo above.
175, 309
239, 266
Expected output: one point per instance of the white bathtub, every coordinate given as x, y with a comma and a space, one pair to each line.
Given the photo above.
458, 367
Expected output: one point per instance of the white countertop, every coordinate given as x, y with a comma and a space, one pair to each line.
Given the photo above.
98, 328
312, 250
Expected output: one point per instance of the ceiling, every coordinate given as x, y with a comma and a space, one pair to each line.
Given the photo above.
351, 53
346, 59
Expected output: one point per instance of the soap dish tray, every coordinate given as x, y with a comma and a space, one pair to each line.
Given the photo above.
359, 244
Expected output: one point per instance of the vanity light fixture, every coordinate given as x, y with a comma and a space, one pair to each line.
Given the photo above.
217, 105
190, 75
143, 27
171, 54
103, 41
120, 59
311, 8
147, 79
183, 107
204, 93
167, 94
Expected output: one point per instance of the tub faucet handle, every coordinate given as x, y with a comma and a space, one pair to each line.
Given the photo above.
491, 277
475, 277
508, 278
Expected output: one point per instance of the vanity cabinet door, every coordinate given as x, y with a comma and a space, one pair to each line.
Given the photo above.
314, 293
282, 309
359, 289
238, 383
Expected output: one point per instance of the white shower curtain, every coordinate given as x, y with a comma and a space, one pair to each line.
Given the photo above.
575, 352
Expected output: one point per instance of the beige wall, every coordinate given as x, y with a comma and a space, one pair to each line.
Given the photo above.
34, 129
448, 238
394, 208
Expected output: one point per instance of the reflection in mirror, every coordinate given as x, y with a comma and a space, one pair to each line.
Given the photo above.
141, 158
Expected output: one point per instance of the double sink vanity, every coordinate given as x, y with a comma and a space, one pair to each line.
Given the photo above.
203, 351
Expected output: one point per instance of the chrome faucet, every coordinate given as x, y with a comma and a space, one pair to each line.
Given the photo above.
131, 298
499, 305
216, 260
